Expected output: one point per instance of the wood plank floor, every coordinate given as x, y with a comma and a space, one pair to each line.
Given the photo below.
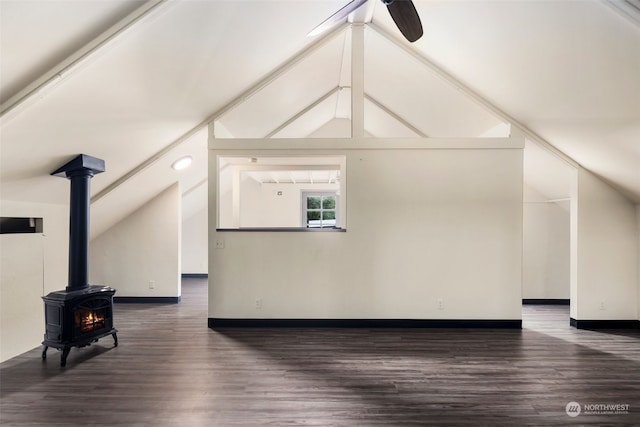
171, 370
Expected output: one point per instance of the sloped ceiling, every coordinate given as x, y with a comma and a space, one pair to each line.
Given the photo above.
566, 70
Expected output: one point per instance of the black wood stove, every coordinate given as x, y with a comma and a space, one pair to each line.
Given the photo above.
82, 313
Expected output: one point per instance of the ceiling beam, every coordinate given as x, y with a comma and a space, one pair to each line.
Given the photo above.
395, 116
195, 187
302, 112
630, 9
71, 63
357, 81
220, 112
148, 162
363, 14
285, 168
273, 75
449, 78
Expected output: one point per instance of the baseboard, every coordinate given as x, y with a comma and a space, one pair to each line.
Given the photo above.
195, 275
545, 301
363, 323
146, 300
604, 324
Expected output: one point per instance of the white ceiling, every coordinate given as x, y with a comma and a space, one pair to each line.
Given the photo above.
565, 70
287, 170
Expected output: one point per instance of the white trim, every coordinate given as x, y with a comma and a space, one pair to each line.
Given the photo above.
357, 80
302, 112
405, 123
80, 56
259, 147
283, 68
630, 9
304, 194
474, 96
209, 121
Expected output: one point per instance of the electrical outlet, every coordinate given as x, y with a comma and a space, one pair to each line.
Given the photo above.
258, 303
219, 244
152, 284
602, 305
440, 304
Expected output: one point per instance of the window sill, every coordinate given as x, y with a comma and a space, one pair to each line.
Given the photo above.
286, 229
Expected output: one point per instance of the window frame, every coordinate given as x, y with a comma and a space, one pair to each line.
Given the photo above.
231, 166
305, 194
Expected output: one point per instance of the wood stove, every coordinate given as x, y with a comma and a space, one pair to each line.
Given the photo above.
82, 313
77, 319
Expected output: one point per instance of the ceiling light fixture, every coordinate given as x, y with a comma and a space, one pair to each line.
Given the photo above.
182, 163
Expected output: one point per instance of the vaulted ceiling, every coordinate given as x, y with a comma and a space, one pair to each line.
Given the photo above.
136, 83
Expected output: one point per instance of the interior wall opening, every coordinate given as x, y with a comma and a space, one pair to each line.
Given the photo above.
266, 192
547, 198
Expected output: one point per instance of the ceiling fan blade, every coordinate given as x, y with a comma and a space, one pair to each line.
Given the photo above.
406, 17
337, 17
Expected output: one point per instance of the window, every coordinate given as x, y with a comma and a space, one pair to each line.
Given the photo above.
319, 210
290, 193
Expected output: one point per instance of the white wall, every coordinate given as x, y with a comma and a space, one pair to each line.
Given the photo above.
21, 314
545, 262
225, 214
141, 248
607, 252
32, 265
336, 128
245, 202
195, 237
274, 205
638, 265
423, 225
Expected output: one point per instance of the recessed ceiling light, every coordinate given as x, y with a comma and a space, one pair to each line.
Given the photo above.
182, 163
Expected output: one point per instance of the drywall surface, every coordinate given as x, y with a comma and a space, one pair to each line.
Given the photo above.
195, 243
140, 255
32, 266
22, 313
55, 238
274, 205
638, 261
607, 252
546, 238
431, 234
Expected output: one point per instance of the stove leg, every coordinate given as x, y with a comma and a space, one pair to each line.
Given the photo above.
44, 352
115, 339
63, 358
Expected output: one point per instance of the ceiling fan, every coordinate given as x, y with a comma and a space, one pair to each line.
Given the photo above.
403, 13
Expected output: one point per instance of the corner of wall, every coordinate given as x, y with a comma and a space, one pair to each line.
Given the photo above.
466, 212
195, 243
32, 266
140, 255
607, 252
638, 251
56, 237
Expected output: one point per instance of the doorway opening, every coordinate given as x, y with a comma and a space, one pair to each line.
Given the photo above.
546, 254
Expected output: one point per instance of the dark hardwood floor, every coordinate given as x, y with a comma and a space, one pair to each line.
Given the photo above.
171, 370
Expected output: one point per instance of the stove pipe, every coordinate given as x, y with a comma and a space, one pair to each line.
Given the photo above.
79, 171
